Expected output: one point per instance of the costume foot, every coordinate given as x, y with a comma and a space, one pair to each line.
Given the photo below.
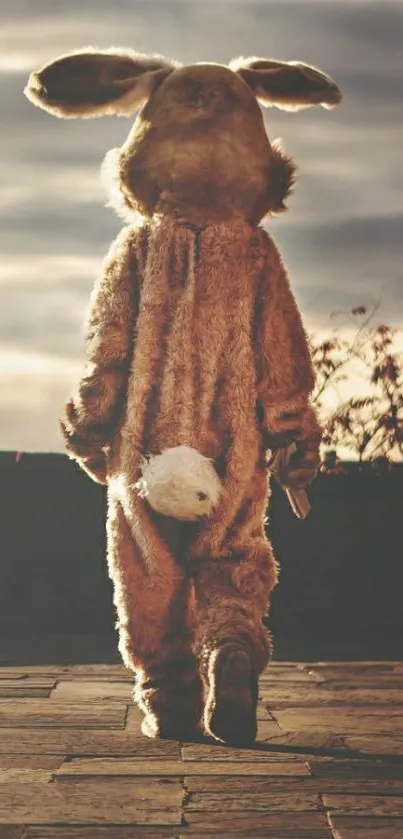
156, 730
230, 712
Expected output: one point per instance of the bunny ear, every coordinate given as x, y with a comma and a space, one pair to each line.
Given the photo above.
89, 83
289, 85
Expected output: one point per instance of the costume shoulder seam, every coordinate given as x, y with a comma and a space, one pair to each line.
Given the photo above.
269, 245
131, 234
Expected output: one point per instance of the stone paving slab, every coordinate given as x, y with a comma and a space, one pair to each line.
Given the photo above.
328, 763
366, 828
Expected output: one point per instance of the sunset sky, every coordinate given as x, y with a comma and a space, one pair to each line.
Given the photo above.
342, 238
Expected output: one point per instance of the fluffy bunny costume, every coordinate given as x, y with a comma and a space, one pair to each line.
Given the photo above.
194, 340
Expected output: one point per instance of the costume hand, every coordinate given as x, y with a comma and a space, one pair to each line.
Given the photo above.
96, 468
87, 444
302, 466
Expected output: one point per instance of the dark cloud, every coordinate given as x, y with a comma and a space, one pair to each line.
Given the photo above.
43, 318
341, 238
59, 227
330, 260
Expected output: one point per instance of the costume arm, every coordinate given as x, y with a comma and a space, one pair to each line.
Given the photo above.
285, 373
89, 417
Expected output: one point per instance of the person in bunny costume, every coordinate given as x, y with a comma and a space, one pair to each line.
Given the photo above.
197, 363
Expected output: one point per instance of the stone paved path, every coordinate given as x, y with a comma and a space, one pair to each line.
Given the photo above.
328, 763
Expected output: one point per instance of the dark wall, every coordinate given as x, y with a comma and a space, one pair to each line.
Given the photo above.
341, 582
53, 575
341, 585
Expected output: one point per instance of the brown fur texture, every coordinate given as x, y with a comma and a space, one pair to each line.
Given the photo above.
212, 353
289, 85
91, 84
193, 338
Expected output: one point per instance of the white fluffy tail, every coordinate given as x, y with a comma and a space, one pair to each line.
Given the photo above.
180, 483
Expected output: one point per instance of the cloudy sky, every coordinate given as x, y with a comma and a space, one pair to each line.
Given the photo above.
342, 237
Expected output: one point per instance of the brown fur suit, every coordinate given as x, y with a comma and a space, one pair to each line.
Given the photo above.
193, 338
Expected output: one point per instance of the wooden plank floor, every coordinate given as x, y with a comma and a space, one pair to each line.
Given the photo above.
328, 763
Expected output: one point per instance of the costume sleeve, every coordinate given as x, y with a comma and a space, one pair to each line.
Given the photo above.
89, 417
284, 366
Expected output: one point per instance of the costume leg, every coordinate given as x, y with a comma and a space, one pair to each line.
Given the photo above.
155, 630
232, 644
